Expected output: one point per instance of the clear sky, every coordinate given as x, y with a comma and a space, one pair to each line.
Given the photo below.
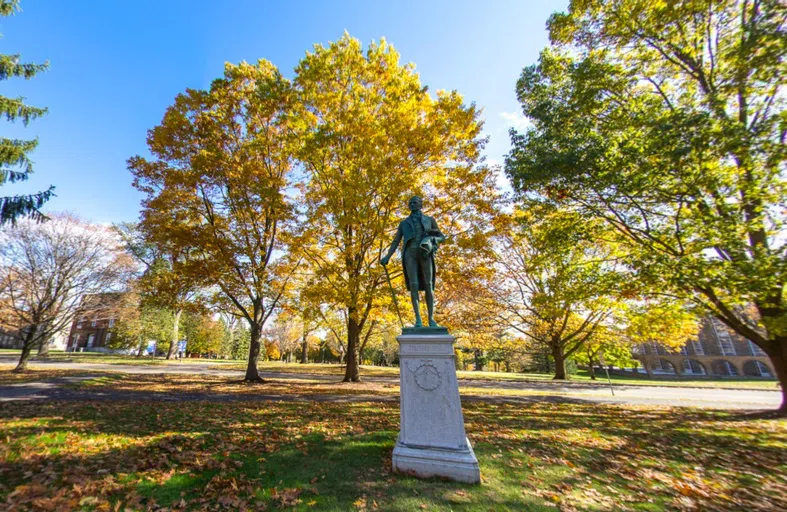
117, 64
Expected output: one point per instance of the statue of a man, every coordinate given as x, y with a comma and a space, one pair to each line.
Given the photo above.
420, 237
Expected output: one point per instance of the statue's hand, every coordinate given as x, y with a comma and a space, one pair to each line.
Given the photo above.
384, 260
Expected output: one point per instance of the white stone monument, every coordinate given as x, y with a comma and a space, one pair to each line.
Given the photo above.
432, 440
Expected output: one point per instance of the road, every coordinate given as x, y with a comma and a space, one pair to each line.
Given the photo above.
741, 399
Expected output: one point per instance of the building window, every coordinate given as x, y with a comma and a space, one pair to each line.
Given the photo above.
764, 371
79, 323
724, 339
109, 334
755, 350
111, 323
725, 343
697, 346
684, 351
93, 323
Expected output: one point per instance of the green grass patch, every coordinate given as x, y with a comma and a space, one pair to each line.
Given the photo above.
337, 456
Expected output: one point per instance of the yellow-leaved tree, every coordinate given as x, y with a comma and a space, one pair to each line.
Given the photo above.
216, 184
668, 323
369, 136
560, 281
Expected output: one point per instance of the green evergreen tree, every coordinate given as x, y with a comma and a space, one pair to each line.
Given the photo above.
15, 165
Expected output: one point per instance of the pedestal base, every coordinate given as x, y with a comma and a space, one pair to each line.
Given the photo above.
432, 440
459, 465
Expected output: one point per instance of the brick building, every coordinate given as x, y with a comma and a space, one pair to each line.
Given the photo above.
93, 326
717, 351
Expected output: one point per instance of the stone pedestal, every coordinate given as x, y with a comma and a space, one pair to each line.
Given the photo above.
432, 440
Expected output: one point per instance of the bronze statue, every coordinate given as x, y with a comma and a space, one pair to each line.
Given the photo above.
420, 238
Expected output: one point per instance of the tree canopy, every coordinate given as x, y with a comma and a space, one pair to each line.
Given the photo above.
666, 120
217, 185
369, 135
559, 283
47, 270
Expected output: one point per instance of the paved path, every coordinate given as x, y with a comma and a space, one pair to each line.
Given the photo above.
55, 389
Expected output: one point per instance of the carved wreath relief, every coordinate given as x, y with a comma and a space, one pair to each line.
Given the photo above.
427, 376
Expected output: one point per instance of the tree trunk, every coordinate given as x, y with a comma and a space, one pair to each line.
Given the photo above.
141, 347
560, 363
27, 346
591, 370
43, 349
173, 346
478, 365
648, 368
778, 358
252, 375
351, 372
304, 350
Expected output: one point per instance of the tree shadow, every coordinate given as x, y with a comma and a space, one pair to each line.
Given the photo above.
337, 455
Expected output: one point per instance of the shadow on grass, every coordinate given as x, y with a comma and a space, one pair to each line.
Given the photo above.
336, 456
329, 456
182, 388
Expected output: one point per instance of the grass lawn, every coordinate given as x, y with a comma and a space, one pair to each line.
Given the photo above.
97, 357
142, 455
581, 377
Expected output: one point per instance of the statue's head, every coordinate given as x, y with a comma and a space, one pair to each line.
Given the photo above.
415, 203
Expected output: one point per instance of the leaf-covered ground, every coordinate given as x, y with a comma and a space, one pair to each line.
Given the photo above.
8, 376
9, 361
200, 455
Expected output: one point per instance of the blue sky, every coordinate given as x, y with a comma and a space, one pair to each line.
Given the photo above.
116, 66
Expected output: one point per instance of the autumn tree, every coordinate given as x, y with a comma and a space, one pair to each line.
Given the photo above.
170, 276
46, 270
203, 334
381, 347
300, 305
15, 163
664, 322
138, 323
335, 324
667, 121
217, 184
468, 302
286, 333
559, 282
607, 340
369, 136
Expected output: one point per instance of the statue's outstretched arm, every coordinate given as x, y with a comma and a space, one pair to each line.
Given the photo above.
394, 245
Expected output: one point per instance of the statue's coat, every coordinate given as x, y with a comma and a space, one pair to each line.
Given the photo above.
407, 233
